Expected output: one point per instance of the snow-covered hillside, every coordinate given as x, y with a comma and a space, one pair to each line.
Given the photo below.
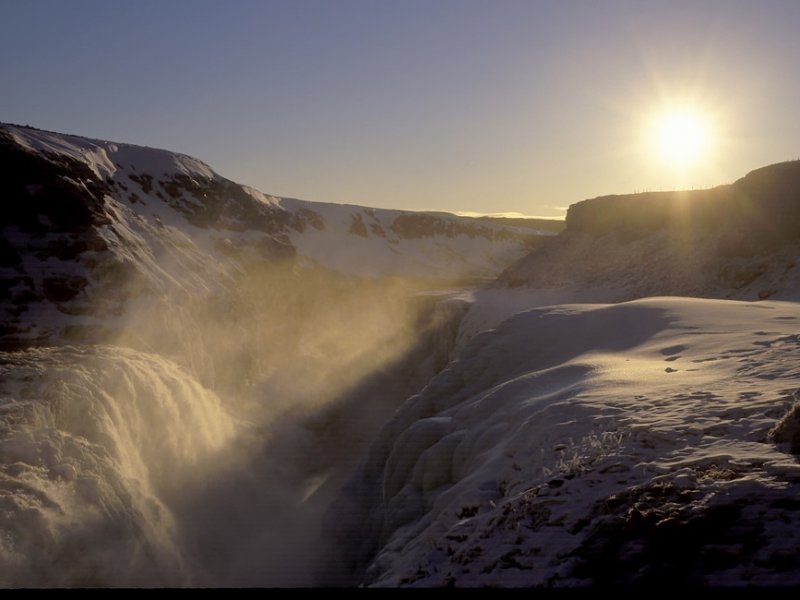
89, 226
644, 442
175, 190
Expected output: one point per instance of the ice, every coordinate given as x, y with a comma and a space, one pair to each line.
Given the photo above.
540, 421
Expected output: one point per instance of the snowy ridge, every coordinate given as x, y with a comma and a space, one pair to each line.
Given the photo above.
382, 241
588, 444
91, 226
105, 159
164, 186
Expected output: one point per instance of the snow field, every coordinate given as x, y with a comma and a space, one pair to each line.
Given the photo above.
564, 420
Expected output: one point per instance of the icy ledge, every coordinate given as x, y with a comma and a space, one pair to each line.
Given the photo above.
592, 444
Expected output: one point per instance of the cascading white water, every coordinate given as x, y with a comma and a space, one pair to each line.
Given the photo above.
118, 467
92, 439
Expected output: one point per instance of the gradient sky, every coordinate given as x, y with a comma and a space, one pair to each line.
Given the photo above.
460, 105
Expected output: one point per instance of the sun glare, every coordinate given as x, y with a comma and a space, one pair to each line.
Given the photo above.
682, 137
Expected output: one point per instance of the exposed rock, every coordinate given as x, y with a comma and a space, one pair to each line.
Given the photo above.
787, 430
422, 225
63, 289
357, 227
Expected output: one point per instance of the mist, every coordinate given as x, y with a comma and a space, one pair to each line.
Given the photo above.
309, 364
202, 439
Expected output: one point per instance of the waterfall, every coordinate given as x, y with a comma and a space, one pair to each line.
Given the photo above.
122, 467
447, 317
92, 439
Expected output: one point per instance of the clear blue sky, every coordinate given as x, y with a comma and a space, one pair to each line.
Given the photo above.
461, 105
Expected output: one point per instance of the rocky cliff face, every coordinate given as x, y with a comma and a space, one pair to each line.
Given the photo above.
731, 241
762, 208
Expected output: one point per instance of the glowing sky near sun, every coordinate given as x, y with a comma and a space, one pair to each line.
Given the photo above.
461, 105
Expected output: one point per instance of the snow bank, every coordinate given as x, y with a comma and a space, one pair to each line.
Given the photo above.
564, 447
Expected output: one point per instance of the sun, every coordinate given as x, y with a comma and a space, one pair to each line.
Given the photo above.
682, 137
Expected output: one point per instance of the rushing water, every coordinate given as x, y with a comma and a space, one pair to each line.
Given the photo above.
121, 467
91, 440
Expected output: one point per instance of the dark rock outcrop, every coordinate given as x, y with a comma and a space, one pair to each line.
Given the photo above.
765, 204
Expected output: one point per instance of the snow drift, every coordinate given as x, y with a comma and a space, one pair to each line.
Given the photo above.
591, 444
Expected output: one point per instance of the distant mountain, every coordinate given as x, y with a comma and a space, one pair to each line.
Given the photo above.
733, 241
552, 225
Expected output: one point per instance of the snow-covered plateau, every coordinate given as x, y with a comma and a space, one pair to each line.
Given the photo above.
203, 385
